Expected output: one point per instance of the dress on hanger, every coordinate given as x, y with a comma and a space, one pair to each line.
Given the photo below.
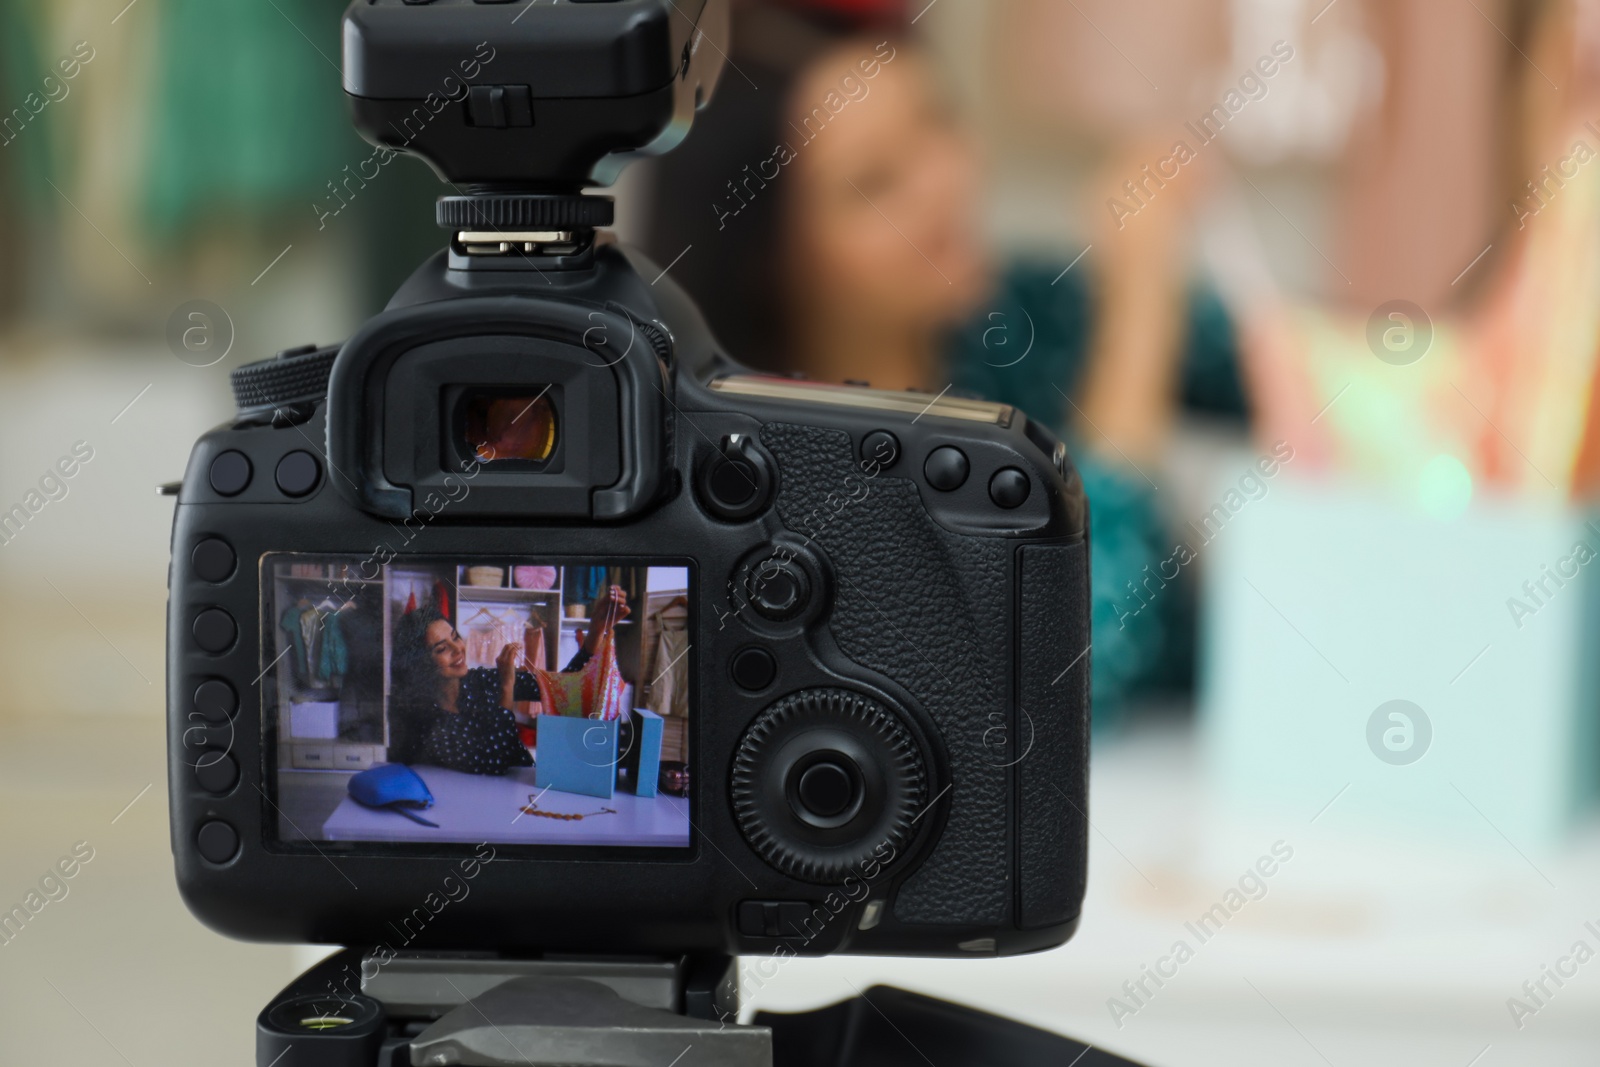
669, 693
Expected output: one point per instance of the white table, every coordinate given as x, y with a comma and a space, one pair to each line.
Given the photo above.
1383, 943
472, 808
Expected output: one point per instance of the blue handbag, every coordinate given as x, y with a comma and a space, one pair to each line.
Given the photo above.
394, 786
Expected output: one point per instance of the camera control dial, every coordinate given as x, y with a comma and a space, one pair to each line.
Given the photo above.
826, 781
779, 589
294, 379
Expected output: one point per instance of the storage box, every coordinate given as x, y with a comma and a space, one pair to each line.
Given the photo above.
576, 756
1324, 607
316, 757
643, 760
314, 719
353, 757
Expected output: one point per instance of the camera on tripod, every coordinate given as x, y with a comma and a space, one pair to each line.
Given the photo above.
527, 623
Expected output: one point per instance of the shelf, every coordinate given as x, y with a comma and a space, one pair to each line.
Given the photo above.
488, 594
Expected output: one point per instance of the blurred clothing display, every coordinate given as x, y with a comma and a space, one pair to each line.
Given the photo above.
668, 688
583, 584
24, 65
1534, 351
180, 149
488, 630
242, 119
1400, 386
321, 657
1503, 393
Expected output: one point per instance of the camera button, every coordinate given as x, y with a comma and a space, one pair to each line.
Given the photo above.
217, 772
215, 700
215, 630
213, 560
826, 789
298, 473
880, 447
218, 842
753, 668
946, 468
1009, 487
773, 918
736, 484
230, 473
778, 589
732, 483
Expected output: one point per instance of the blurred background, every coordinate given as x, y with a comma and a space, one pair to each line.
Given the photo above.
1308, 284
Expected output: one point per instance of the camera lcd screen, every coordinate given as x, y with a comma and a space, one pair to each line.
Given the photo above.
453, 701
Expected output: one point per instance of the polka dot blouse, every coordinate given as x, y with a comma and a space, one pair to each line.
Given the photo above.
480, 738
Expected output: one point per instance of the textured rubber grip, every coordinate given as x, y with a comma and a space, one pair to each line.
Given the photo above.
1053, 669
928, 609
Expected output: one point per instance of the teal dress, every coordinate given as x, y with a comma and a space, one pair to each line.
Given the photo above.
1030, 349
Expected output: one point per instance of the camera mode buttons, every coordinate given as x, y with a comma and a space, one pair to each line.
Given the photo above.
880, 450
217, 772
214, 630
753, 668
298, 473
213, 559
736, 484
218, 842
1009, 488
215, 700
230, 473
946, 468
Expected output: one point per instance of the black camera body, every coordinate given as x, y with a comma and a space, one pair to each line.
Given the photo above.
847, 710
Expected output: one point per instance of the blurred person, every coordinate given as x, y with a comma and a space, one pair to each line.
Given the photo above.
825, 213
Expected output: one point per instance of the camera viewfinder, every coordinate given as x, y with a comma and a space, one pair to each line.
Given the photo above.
508, 425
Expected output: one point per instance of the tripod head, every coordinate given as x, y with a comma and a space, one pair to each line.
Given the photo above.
522, 104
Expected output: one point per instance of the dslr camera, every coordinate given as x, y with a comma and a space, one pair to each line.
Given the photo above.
528, 624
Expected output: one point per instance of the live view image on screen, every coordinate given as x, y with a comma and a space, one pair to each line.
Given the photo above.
457, 702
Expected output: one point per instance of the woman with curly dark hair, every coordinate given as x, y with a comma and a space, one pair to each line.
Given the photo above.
459, 717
